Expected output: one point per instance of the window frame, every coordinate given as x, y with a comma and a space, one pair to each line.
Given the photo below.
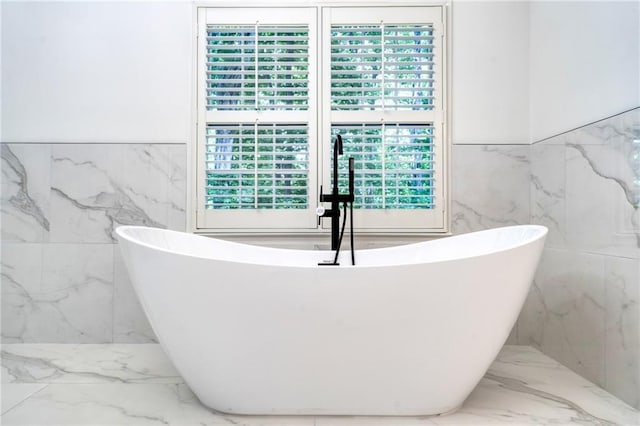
416, 222
265, 219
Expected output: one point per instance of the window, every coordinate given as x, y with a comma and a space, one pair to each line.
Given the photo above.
275, 85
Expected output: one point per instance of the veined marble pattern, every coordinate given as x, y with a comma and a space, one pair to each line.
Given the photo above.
96, 188
77, 193
586, 187
622, 322
130, 323
564, 315
24, 201
136, 385
603, 201
13, 394
62, 278
57, 292
583, 306
548, 189
86, 363
490, 186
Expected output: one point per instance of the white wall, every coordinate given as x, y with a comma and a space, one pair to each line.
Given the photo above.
490, 72
585, 63
96, 71
524, 71
121, 71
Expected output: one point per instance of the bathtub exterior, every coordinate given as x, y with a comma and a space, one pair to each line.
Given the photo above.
409, 330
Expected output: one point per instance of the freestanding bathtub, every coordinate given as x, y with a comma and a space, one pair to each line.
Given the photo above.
409, 330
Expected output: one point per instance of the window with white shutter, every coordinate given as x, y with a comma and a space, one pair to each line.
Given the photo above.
275, 87
257, 119
382, 66
384, 94
257, 67
393, 164
257, 166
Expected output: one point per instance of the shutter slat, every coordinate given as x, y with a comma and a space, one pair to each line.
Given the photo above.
239, 74
375, 55
242, 99
240, 188
388, 80
249, 165
260, 161
382, 66
394, 164
254, 67
262, 54
352, 38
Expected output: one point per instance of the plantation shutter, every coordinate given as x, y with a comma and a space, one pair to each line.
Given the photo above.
276, 85
386, 101
257, 166
393, 164
257, 67
258, 99
382, 66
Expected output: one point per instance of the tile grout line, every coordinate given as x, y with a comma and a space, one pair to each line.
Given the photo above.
113, 292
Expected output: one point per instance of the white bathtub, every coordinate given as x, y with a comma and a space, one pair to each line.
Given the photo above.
409, 330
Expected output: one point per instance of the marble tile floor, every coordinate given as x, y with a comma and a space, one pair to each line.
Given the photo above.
135, 384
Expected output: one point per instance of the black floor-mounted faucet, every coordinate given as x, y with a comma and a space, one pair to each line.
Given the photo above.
335, 198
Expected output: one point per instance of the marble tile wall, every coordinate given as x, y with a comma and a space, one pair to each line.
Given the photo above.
62, 276
583, 307
490, 186
63, 279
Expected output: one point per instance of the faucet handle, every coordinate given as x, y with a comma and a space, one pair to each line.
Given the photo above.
320, 212
320, 209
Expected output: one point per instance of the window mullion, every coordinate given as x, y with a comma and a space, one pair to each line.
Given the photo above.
383, 136
383, 70
255, 164
255, 66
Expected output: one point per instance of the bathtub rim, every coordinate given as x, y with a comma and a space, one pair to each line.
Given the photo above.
542, 231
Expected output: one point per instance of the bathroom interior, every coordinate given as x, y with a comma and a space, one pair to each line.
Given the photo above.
540, 108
